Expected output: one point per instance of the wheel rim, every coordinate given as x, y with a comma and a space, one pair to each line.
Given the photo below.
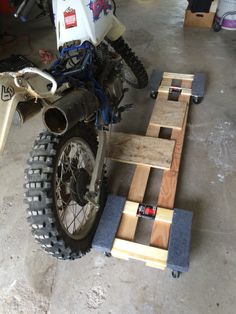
75, 214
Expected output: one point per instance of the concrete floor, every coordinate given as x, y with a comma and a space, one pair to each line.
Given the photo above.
33, 282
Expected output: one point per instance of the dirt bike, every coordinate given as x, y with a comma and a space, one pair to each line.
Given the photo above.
65, 184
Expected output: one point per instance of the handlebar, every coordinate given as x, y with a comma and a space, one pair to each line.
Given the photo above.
42, 74
24, 9
25, 84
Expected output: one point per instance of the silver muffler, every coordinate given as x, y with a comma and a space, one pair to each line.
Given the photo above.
77, 105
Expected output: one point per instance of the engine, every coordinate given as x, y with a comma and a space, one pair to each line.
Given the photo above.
110, 77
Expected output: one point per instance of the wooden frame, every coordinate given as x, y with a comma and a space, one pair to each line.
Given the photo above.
155, 254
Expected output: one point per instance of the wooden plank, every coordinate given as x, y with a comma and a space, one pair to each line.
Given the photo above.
127, 227
160, 232
167, 89
168, 187
169, 114
164, 215
137, 190
169, 181
139, 183
131, 208
142, 150
132, 250
178, 76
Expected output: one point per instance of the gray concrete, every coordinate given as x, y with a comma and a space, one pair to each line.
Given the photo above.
32, 282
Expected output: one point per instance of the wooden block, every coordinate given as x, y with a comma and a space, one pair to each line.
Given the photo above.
139, 252
169, 114
178, 76
141, 150
167, 90
201, 19
131, 208
164, 215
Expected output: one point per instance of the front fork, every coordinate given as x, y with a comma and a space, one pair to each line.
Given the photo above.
93, 195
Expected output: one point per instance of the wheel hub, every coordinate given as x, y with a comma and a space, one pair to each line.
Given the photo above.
80, 186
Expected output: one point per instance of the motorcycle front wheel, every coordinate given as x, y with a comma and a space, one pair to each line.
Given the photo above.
134, 72
58, 177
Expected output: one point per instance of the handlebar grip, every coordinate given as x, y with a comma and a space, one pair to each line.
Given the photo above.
25, 12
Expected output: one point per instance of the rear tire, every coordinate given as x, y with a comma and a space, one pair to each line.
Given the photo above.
52, 186
46, 5
133, 63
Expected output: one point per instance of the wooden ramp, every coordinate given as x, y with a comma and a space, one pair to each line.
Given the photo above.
147, 152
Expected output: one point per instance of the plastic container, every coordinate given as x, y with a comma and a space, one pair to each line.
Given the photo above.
224, 9
82, 20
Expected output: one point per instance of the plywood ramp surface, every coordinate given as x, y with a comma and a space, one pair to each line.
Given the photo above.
141, 150
169, 114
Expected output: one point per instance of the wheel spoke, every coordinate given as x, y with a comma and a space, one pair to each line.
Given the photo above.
75, 217
75, 156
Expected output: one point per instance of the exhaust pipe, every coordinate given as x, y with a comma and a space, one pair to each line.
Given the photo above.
25, 111
76, 106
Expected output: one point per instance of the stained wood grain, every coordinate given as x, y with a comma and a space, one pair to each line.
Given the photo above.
166, 198
141, 150
169, 114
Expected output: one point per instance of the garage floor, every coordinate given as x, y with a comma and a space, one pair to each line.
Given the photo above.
33, 282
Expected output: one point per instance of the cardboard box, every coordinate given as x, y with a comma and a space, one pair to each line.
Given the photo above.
199, 19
